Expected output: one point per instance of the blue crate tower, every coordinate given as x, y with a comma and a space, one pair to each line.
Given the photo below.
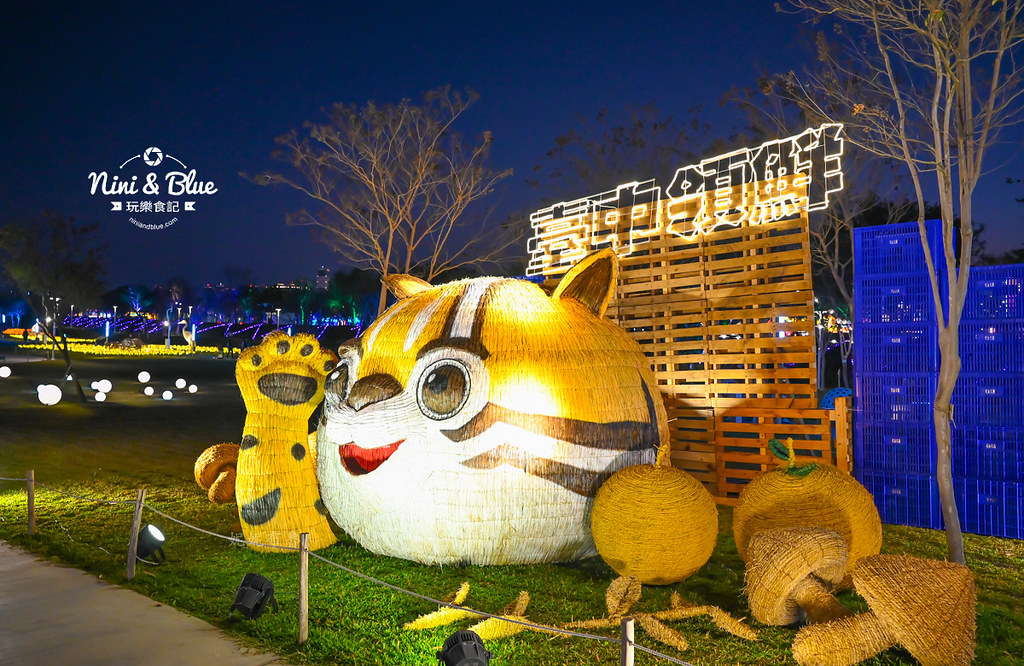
896, 362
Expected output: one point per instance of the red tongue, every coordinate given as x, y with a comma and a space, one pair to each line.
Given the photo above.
359, 461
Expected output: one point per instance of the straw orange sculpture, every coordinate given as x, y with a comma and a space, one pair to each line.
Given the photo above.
810, 495
474, 421
654, 522
282, 382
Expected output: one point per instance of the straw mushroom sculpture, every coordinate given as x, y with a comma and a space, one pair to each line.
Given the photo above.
808, 495
791, 572
927, 606
654, 522
215, 471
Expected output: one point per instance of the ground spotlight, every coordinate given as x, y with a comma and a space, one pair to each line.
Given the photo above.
464, 648
151, 545
252, 596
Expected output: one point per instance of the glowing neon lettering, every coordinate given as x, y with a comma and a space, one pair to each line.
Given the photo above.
749, 186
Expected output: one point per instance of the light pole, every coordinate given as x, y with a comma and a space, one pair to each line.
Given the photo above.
168, 323
278, 317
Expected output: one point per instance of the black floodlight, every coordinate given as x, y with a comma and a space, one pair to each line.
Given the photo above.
464, 648
151, 541
252, 596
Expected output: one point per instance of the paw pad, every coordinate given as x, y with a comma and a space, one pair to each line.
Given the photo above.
288, 371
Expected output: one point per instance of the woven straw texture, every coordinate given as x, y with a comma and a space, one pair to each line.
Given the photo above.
282, 381
827, 497
215, 471
474, 421
792, 571
656, 523
927, 606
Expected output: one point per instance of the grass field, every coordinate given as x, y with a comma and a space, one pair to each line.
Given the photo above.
108, 450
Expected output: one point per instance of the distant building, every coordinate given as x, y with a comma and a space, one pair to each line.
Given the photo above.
323, 277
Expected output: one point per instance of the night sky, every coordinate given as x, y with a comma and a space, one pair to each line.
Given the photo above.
88, 85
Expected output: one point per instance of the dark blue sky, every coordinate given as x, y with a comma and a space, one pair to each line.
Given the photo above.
88, 85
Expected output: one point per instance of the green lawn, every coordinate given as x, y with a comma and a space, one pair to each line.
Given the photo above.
108, 450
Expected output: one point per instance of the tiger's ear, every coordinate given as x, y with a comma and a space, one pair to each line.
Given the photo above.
591, 281
404, 286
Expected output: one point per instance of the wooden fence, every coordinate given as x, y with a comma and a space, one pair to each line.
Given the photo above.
727, 320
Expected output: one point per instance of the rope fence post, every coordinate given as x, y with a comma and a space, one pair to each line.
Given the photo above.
627, 641
133, 542
30, 480
303, 588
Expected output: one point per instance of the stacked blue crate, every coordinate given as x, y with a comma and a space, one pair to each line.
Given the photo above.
896, 362
988, 404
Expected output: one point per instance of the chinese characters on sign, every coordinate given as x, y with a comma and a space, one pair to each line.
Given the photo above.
749, 186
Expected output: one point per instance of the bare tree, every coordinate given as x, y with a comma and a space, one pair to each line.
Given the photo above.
772, 111
52, 259
394, 183
939, 80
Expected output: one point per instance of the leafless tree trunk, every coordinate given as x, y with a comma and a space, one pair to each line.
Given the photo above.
949, 75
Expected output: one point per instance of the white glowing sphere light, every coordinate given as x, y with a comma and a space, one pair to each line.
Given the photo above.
180, 383
144, 377
167, 395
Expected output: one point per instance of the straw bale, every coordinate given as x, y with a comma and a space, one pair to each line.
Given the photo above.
622, 594
662, 632
489, 414
826, 497
792, 571
656, 523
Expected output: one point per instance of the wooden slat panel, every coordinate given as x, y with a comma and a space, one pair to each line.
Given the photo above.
707, 312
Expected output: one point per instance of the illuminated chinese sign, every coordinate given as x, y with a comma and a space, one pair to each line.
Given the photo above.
749, 186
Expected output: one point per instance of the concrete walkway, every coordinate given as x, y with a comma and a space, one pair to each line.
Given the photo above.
51, 614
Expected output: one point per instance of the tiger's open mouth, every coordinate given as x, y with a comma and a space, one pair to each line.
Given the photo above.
359, 461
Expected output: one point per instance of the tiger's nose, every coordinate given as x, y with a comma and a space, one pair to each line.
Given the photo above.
371, 389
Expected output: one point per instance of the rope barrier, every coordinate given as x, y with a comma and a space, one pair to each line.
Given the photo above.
353, 572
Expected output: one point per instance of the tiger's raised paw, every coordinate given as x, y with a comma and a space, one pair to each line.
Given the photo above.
284, 375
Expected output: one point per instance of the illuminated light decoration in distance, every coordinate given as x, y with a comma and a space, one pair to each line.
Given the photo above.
167, 395
180, 383
148, 390
144, 377
773, 181
5, 371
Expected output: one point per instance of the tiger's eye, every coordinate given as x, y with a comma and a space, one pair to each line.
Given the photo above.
443, 390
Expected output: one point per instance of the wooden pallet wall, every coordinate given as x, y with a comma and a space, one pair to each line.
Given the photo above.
727, 321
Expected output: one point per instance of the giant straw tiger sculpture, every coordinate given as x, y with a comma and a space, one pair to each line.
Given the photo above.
475, 420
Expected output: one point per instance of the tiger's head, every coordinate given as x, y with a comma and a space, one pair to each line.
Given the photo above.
474, 421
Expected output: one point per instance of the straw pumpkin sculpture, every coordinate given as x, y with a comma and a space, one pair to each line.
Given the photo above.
282, 382
654, 522
809, 495
927, 606
474, 421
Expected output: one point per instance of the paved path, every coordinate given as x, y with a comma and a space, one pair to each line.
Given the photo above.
51, 614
